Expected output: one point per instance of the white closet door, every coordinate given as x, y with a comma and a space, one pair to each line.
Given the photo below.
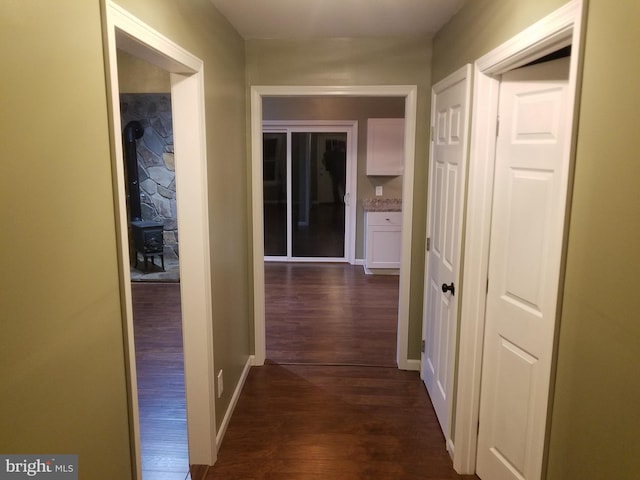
525, 253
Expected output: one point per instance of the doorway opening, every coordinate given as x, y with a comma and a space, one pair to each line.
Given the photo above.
129, 34
263, 98
147, 137
314, 188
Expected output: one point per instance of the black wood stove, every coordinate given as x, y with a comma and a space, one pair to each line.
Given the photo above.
147, 236
148, 241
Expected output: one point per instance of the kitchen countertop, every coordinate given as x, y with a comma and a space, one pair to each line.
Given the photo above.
377, 204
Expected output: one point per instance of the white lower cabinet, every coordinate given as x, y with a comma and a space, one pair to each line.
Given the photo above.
383, 232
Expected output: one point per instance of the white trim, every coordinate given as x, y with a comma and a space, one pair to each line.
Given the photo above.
350, 128
413, 365
450, 447
195, 265
381, 271
253, 361
559, 29
234, 401
187, 89
284, 259
142, 41
409, 92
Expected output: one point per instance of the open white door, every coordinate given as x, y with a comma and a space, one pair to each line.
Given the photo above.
449, 123
524, 264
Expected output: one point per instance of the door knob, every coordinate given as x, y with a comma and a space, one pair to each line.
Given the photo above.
449, 288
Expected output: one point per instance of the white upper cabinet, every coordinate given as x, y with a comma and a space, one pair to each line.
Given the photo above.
385, 146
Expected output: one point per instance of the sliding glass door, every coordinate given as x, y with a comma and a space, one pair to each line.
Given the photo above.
275, 188
305, 188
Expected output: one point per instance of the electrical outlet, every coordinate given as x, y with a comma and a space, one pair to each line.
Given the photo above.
379, 191
220, 384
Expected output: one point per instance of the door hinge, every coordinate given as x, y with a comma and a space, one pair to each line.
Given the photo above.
428, 243
497, 126
487, 286
432, 132
422, 347
478, 429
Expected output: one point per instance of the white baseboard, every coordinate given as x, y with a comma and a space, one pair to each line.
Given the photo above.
254, 362
358, 261
381, 271
413, 365
233, 403
450, 447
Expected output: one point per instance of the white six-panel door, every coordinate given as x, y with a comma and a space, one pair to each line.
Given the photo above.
449, 120
524, 263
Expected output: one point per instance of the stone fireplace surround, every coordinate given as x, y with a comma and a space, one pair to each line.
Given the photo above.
156, 166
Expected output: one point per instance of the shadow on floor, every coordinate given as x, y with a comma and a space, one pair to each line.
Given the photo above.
153, 271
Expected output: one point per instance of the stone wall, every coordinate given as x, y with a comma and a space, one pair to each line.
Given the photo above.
156, 168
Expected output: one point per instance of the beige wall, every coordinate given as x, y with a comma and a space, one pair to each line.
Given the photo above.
198, 27
137, 76
61, 352
61, 347
345, 108
349, 61
481, 26
595, 419
595, 431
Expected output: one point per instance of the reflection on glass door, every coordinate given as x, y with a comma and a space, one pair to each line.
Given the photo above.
304, 194
275, 185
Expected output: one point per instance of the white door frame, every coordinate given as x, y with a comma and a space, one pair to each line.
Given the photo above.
559, 29
350, 128
128, 33
410, 93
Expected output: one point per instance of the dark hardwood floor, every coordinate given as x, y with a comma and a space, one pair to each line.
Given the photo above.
330, 314
312, 422
315, 411
160, 369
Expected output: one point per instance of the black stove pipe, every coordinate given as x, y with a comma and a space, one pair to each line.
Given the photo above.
132, 131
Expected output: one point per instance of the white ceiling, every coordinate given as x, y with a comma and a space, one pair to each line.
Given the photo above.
295, 19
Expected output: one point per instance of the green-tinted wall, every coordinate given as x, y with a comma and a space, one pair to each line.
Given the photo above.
61, 342
362, 61
595, 430
595, 419
198, 27
61, 346
138, 76
345, 108
61, 352
480, 26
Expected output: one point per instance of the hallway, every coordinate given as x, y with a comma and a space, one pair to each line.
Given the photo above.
328, 313
303, 422
329, 404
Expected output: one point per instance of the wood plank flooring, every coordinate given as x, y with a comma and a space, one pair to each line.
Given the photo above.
308, 422
160, 369
297, 418
330, 314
